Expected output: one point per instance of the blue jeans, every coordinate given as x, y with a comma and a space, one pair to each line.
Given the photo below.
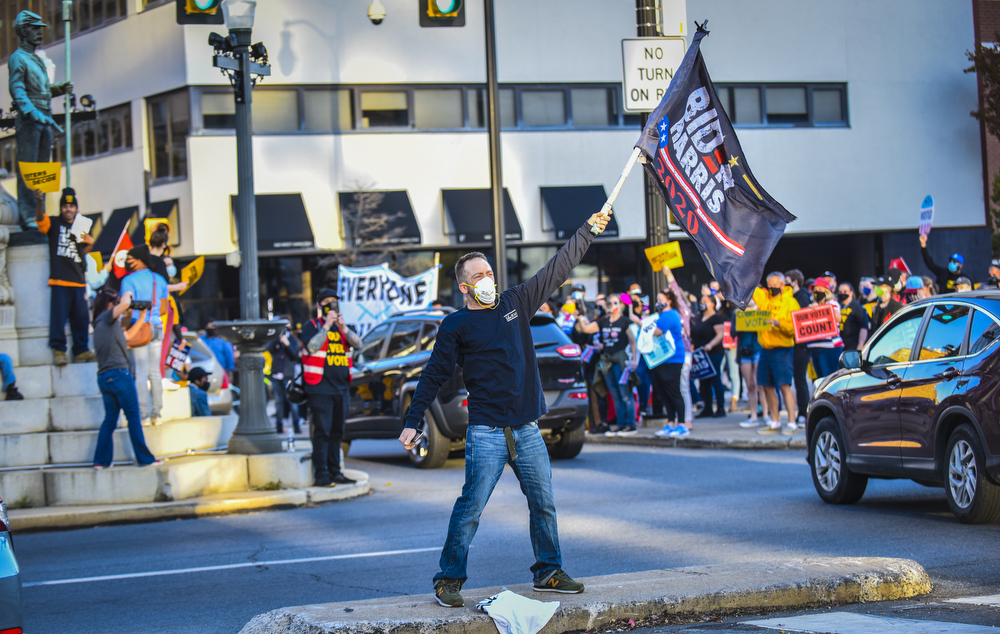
485, 456
825, 360
7, 370
707, 386
621, 395
118, 391
645, 383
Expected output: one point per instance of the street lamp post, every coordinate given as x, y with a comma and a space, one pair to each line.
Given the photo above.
243, 63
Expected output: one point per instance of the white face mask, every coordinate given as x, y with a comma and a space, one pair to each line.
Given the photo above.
171, 270
486, 291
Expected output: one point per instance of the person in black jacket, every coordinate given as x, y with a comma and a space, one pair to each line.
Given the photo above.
800, 358
946, 277
490, 337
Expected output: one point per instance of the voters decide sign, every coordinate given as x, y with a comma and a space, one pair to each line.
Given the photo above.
649, 64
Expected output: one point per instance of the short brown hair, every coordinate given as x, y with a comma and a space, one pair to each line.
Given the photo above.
460, 265
158, 238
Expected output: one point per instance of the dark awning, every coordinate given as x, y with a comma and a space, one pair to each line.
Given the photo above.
471, 213
167, 209
282, 223
127, 217
386, 217
570, 207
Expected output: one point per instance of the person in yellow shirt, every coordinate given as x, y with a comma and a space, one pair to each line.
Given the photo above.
774, 370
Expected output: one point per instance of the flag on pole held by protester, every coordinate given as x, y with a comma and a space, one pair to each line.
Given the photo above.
122, 247
693, 156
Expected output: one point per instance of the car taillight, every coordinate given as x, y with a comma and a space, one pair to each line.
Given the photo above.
225, 384
571, 350
580, 395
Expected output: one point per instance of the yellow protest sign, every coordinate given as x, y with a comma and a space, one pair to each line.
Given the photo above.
668, 255
753, 320
192, 272
97, 259
41, 176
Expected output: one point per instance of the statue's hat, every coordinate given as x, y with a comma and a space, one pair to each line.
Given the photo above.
27, 18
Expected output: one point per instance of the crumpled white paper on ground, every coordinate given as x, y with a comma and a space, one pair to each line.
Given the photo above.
514, 614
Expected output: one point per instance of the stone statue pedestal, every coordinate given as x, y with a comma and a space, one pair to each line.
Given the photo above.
28, 269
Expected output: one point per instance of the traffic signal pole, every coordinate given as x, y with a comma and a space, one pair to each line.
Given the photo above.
493, 129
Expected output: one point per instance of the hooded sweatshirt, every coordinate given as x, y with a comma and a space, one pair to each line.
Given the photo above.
781, 308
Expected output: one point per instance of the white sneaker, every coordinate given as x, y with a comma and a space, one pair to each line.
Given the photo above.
146, 422
156, 421
750, 424
770, 428
801, 420
790, 429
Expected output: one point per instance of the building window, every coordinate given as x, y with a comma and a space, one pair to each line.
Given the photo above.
328, 110
439, 109
109, 133
169, 127
8, 155
218, 110
384, 109
594, 107
785, 105
276, 111
87, 15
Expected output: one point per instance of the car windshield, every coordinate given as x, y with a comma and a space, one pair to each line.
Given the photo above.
371, 344
894, 346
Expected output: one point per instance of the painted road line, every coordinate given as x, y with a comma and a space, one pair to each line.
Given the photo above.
849, 623
248, 564
993, 600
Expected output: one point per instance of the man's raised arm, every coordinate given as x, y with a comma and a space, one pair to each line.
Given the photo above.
555, 273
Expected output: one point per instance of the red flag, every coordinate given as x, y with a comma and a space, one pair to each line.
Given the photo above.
900, 263
119, 254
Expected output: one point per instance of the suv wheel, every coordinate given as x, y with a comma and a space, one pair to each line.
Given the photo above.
432, 452
834, 482
972, 498
569, 445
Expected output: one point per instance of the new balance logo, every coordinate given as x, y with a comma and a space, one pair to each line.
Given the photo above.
511, 316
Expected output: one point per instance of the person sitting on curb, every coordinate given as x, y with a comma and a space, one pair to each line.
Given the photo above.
198, 384
67, 278
9, 380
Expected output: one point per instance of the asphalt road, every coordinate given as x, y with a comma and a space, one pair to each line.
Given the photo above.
620, 509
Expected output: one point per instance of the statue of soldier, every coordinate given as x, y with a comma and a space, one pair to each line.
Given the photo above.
32, 96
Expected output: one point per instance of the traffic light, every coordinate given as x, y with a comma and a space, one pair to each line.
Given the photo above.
442, 13
199, 12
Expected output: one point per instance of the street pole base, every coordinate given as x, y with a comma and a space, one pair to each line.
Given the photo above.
253, 444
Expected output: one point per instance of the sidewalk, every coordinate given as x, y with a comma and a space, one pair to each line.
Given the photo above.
84, 516
708, 433
625, 598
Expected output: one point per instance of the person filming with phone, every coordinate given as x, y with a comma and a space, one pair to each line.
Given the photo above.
326, 374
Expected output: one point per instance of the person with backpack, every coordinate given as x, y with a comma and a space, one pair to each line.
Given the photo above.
326, 374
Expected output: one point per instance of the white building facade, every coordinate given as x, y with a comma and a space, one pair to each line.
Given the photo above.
849, 113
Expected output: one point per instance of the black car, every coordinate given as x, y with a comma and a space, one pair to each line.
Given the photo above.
921, 401
392, 356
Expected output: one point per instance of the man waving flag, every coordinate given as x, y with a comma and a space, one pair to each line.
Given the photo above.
695, 159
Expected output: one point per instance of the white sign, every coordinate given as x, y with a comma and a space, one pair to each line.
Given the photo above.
369, 295
649, 64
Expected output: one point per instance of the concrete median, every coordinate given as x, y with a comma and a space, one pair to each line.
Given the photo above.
713, 589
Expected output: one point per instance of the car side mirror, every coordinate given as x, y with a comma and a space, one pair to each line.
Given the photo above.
850, 360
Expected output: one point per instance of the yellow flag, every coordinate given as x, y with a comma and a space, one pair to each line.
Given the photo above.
192, 272
668, 255
97, 259
41, 176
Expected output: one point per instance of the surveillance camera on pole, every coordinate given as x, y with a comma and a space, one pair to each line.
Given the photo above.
376, 12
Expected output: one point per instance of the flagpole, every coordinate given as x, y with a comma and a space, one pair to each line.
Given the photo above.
621, 181
67, 7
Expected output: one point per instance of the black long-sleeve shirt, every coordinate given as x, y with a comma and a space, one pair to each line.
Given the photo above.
495, 349
945, 279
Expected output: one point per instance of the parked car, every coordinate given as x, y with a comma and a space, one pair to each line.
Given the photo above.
921, 401
11, 600
220, 392
388, 366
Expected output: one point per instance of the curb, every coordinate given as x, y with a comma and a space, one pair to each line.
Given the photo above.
694, 442
715, 589
70, 517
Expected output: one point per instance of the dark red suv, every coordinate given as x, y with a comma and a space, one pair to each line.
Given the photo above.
921, 401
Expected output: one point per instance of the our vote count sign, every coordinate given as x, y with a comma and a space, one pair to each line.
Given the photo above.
753, 320
812, 324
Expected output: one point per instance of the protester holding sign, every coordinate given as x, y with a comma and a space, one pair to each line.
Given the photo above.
774, 371
67, 278
825, 353
853, 318
946, 276
667, 374
619, 348
707, 331
800, 353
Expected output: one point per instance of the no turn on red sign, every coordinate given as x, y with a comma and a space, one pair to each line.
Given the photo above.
648, 65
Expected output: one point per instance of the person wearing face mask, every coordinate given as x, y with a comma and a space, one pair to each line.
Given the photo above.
326, 377
947, 277
825, 353
853, 318
147, 286
618, 354
886, 306
491, 337
222, 349
730, 363
667, 375
867, 296
800, 353
114, 378
963, 285
707, 332
774, 370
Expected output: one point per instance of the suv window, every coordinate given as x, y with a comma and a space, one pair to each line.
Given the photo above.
984, 332
404, 339
894, 346
547, 334
371, 345
945, 332
429, 337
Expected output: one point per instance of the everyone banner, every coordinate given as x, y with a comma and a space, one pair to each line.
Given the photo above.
192, 272
41, 176
693, 156
753, 320
812, 324
926, 215
371, 294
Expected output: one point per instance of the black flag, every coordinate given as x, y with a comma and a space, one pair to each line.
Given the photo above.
696, 161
